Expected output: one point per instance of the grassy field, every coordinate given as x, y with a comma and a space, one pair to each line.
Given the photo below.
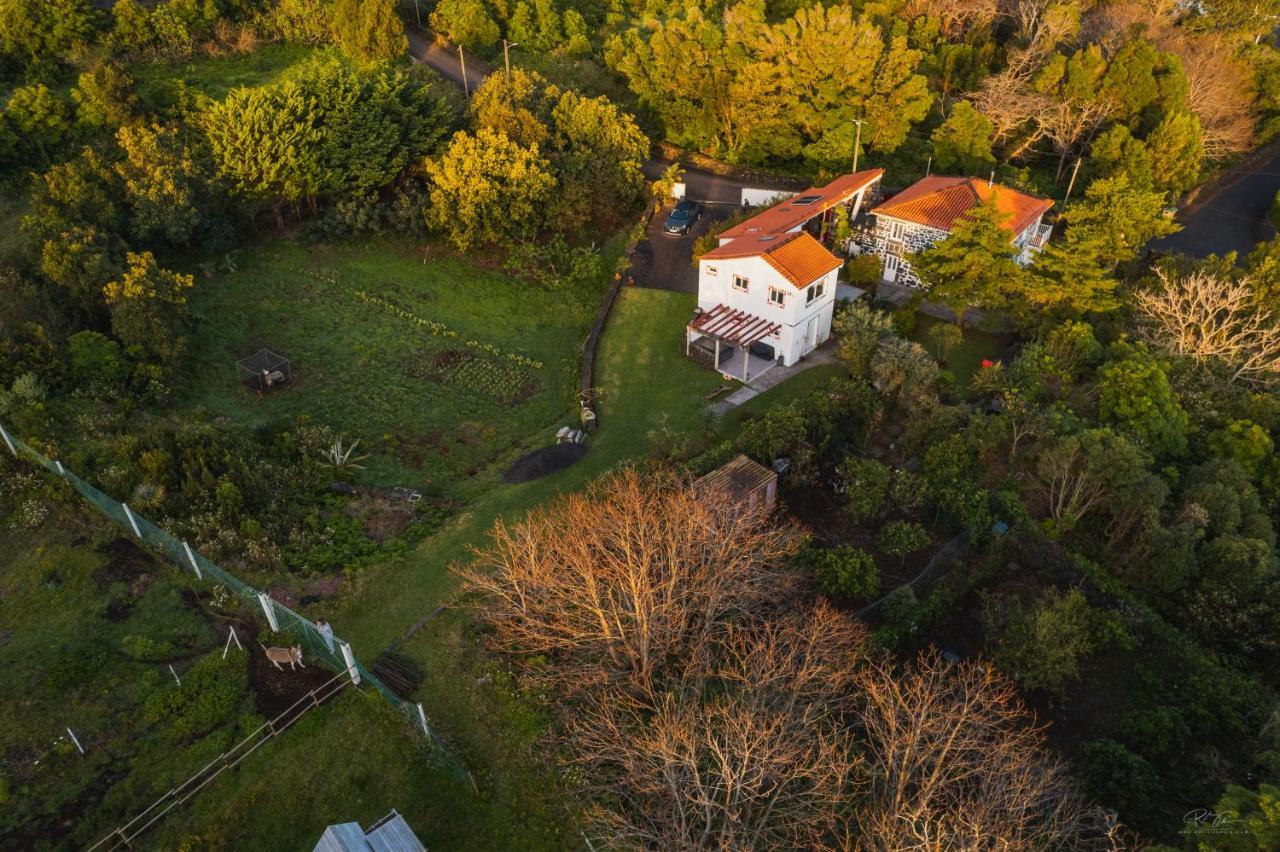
215, 76
437, 406
965, 359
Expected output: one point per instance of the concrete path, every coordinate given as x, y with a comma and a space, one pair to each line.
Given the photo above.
774, 377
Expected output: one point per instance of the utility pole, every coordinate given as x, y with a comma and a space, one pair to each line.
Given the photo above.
857, 141
417, 11
506, 57
462, 57
928, 166
1071, 183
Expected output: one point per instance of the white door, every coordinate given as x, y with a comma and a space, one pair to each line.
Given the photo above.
811, 335
890, 267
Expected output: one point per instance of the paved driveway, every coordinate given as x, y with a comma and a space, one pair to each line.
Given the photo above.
665, 261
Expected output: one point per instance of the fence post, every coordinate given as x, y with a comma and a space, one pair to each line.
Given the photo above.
7, 442
422, 714
350, 659
195, 566
62, 471
133, 523
265, 600
75, 740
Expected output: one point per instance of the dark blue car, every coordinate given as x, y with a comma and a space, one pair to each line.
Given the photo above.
682, 217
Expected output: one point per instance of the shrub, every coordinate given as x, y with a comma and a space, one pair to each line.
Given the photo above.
847, 573
899, 538
866, 483
1114, 774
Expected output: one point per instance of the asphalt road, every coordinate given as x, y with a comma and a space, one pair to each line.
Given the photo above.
1232, 218
700, 185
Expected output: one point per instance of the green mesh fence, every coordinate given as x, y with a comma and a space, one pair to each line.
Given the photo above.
295, 629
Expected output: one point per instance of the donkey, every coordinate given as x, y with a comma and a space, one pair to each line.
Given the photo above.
291, 656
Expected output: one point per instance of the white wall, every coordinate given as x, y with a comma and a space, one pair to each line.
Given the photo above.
794, 315
755, 197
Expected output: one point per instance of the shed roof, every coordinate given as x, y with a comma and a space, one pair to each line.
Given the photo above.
736, 479
938, 201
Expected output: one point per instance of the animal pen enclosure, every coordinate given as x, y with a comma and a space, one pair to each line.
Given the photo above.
264, 370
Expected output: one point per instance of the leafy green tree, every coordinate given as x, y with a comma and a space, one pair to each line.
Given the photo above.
962, 143
369, 30
38, 34
866, 486
1069, 278
485, 188
1256, 813
147, 305
465, 22
576, 40
597, 151
975, 266
1120, 218
97, 364
104, 96
41, 118
515, 105
901, 538
844, 573
163, 180
78, 193
905, 374
945, 337
1040, 647
132, 30
1244, 442
1177, 152
81, 261
267, 142
1116, 151
1134, 395
860, 328
1112, 773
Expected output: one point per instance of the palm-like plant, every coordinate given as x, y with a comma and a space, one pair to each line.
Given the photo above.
341, 457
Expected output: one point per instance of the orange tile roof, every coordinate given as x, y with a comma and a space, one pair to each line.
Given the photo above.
938, 201
799, 257
795, 212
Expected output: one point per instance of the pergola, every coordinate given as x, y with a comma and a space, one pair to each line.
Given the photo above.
732, 326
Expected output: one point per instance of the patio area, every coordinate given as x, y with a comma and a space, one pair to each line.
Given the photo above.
731, 361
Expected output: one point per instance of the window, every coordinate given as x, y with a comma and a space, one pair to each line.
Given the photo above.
711, 270
815, 292
896, 230
739, 283
777, 297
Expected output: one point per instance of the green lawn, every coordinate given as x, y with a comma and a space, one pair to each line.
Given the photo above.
965, 359
215, 76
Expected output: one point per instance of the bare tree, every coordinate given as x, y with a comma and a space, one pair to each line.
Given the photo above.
1219, 92
748, 750
623, 578
1210, 318
956, 16
957, 763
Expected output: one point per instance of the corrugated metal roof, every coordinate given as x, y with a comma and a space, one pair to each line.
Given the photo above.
394, 835
346, 837
938, 201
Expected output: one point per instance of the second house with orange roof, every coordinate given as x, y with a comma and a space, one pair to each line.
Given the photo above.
924, 213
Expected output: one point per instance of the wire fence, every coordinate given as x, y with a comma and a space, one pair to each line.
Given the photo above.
294, 628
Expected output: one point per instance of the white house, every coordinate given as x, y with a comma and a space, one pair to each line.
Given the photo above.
766, 293
925, 212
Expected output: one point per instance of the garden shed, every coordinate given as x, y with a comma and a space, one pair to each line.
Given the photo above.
264, 370
741, 485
